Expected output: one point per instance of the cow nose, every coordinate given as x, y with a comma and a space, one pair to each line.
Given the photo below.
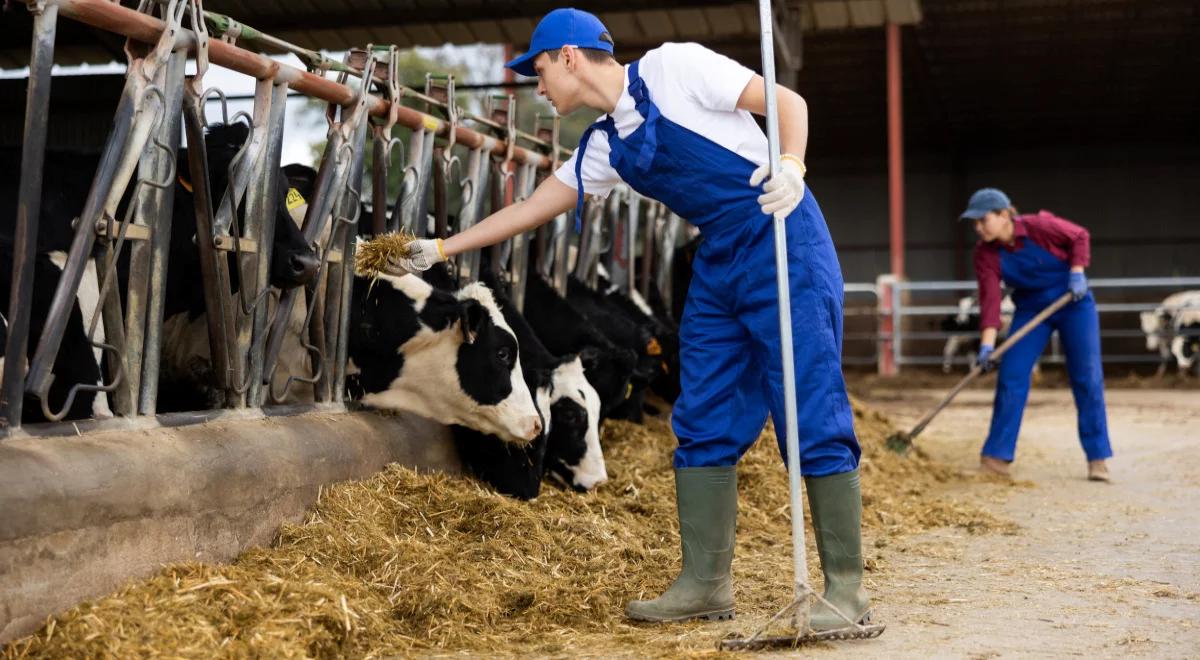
533, 425
303, 267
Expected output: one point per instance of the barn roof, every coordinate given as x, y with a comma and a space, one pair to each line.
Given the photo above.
977, 73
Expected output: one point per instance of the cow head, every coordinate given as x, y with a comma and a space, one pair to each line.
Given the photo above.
449, 357
293, 261
573, 453
1153, 323
964, 310
609, 370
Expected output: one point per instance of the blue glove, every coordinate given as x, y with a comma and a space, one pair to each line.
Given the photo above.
984, 359
1078, 285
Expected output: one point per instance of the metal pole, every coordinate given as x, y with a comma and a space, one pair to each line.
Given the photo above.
161, 213
895, 151
29, 202
103, 184
799, 561
269, 179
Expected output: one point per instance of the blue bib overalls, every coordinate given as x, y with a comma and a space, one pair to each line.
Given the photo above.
1038, 278
730, 360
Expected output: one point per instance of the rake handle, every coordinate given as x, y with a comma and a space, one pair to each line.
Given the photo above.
1015, 337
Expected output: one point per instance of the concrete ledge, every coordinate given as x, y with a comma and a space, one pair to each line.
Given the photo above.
81, 515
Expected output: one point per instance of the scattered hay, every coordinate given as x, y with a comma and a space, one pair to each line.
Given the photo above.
409, 563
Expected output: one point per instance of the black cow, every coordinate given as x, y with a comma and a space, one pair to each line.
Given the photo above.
624, 333
75, 362
565, 331
448, 356
665, 344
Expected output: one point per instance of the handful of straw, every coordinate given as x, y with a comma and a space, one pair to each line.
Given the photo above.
381, 254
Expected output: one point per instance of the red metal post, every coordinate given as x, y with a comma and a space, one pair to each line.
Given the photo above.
895, 151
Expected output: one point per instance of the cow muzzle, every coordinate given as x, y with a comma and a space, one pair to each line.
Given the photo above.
530, 428
302, 268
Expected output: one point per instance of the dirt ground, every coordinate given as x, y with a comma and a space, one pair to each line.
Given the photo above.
1094, 570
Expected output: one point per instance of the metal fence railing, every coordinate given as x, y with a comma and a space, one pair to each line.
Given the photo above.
907, 328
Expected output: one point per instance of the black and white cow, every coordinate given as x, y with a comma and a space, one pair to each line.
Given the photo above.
569, 450
1173, 329
565, 331
77, 361
450, 357
573, 454
966, 324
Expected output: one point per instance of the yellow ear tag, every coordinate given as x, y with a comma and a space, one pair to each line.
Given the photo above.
295, 199
628, 390
187, 185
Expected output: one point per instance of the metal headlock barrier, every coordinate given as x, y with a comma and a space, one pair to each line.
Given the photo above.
249, 323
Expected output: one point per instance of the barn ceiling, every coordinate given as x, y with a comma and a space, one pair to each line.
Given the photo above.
978, 74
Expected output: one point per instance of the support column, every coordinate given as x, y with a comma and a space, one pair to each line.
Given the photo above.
895, 151
29, 202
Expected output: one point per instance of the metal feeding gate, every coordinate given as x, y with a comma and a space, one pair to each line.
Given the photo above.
486, 160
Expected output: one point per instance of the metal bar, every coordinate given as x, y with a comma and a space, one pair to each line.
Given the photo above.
379, 178
332, 179
561, 240
268, 179
114, 18
160, 211
210, 258
38, 379
413, 185
478, 171
648, 249
666, 259
799, 560
342, 296
518, 272
29, 203
341, 275
895, 151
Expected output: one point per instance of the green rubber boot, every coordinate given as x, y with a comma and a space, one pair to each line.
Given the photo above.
707, 500
836, 505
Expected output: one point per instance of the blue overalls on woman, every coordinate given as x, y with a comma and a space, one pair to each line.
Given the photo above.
1041, 257
677, 128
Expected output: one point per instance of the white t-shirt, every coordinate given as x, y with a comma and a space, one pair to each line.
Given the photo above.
693, 87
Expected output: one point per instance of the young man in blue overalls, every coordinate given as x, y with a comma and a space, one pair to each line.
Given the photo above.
678, 129
1041, 256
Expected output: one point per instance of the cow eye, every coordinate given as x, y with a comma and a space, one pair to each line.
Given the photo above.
505, 354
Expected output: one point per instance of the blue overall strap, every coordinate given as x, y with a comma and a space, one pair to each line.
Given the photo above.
583, 143
607, 124
649, 113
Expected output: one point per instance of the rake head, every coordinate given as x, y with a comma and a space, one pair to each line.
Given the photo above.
899, 442
794, 641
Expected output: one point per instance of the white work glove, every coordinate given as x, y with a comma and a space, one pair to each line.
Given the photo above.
784, 191
422, 255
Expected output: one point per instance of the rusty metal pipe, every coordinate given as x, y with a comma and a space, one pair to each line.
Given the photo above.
120, 20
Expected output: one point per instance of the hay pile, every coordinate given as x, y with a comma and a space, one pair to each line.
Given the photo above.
408, 563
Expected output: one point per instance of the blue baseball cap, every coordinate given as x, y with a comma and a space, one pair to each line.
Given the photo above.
563, 27
983, 201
